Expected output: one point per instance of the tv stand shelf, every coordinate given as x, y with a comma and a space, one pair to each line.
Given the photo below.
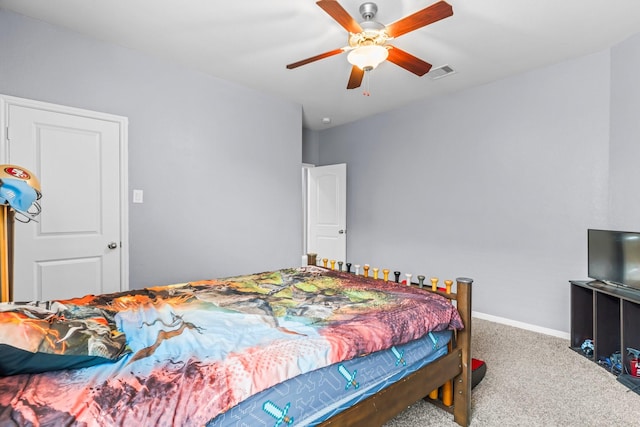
607, 314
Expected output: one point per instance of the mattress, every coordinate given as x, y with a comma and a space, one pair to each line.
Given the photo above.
311, 398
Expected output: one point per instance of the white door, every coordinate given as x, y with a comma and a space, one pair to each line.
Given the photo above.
327, 212
75, 248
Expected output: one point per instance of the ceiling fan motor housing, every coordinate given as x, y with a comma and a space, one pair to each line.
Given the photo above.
368, 10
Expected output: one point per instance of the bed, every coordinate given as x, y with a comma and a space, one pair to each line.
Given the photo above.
299, 346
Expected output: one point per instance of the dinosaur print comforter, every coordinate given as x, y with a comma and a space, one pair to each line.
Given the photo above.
195, 350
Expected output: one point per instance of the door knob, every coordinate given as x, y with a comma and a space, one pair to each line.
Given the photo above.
342, 231
112, 245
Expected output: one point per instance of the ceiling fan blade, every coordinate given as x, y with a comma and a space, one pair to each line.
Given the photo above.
407, 61
338, 13
355, 79
426, 16
314, 58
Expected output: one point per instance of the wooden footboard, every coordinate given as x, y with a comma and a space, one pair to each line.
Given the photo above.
454, 366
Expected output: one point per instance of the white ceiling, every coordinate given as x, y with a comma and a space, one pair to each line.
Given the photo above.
251, 41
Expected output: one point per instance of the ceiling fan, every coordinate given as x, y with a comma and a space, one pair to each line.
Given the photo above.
368, 39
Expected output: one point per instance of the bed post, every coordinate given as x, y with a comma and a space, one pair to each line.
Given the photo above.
462, 383
311, 258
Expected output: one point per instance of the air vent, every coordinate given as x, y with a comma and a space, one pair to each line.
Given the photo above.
440, 72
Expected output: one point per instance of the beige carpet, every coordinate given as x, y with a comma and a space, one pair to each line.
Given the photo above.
534, 380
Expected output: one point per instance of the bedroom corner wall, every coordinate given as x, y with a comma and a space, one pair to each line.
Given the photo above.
219, 163
310, 146
498, 183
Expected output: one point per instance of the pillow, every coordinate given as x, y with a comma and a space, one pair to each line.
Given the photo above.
40, 337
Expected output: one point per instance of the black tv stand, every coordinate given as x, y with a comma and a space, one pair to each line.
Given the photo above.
609, 315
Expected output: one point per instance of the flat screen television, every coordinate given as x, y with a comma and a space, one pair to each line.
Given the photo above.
614, 257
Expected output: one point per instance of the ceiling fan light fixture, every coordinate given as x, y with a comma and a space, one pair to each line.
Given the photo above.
368, 57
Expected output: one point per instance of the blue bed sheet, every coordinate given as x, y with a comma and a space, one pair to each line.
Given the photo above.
311, 398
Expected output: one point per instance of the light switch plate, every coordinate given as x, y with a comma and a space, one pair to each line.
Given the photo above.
138, 196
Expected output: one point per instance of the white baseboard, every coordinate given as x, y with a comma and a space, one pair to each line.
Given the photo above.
521, 325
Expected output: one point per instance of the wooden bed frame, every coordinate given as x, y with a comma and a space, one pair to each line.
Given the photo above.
454, 366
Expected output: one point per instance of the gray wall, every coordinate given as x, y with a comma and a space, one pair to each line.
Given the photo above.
310, 146
219, 163
625, 136
498, 183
